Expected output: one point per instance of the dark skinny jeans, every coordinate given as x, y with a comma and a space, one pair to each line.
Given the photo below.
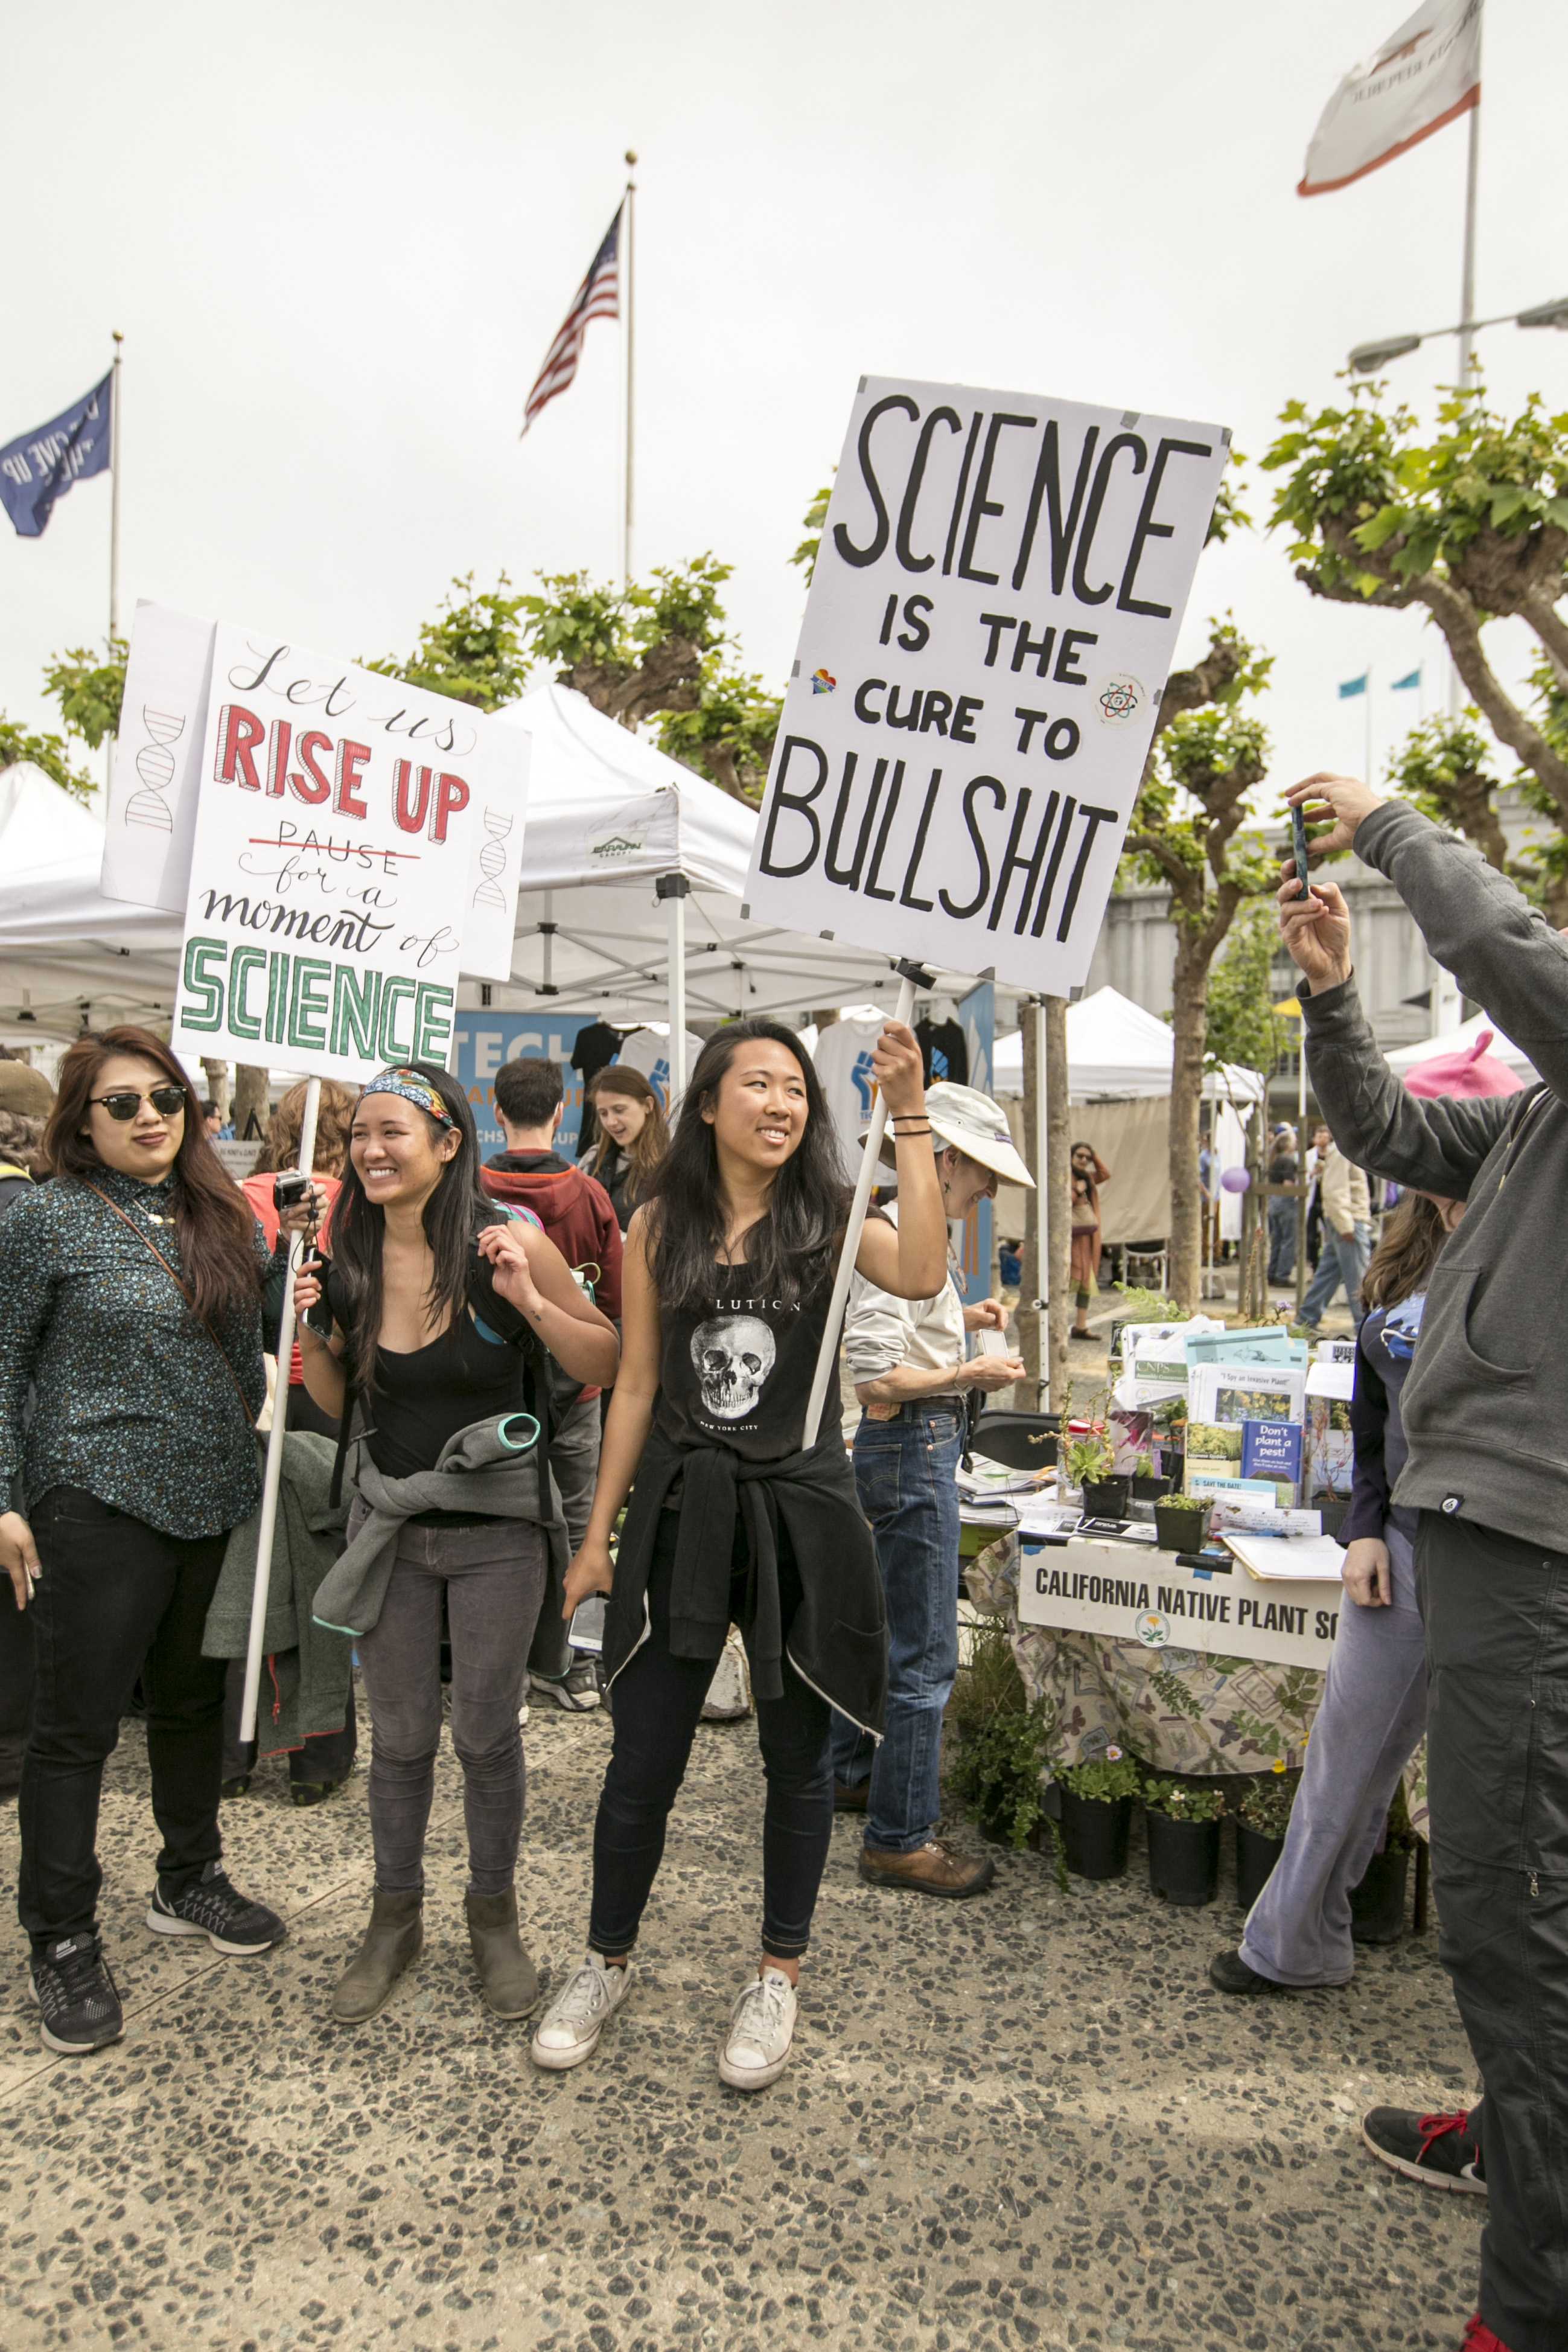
657, 1700
116, 1599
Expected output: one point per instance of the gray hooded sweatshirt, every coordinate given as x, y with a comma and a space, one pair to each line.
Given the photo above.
1485, 1403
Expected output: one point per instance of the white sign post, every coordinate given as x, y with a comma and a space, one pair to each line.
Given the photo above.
342, 847
992, 615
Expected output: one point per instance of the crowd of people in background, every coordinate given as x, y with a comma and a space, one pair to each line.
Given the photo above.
561, 1407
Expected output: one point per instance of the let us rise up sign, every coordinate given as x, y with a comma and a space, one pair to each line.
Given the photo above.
993, 612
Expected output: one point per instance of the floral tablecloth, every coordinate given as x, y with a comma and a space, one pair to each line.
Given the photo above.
1176, 1710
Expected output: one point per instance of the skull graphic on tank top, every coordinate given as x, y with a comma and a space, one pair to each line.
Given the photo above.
733, 1355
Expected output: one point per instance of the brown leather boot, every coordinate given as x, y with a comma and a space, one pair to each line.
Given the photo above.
931, 1869
507, 1977
392, 1943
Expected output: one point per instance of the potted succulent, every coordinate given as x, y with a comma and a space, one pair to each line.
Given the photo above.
1262, 1818
1097, 1814
1089, 1461
1181, 1521
1183, 1819
1377, 1904
1148, 1485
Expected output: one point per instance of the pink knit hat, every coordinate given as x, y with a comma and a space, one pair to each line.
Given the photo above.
1476, 1071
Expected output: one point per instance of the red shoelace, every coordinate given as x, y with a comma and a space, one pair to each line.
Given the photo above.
1436, 2128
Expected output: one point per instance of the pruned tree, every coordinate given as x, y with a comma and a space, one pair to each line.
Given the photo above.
1469, 524
1204, 764
475, 649
89, 687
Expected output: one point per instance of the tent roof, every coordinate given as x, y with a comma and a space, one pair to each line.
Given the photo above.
38, 821
1117, 1051
1460, 1040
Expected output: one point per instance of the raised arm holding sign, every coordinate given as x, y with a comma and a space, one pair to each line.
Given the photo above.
991, 619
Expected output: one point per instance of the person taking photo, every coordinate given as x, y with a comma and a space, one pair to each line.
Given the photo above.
739, 1511
1484, 1407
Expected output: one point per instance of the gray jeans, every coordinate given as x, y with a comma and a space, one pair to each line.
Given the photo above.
1369, 1726
494, 1576
574, 1466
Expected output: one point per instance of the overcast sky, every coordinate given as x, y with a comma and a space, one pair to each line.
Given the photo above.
339, 237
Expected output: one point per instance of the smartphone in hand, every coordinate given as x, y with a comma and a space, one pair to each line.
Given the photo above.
1298, 850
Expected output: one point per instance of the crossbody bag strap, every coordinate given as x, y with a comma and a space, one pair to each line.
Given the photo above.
179, 1284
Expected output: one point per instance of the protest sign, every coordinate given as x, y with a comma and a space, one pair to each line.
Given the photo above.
356, 845
164, 750
1131, 1593
991, 618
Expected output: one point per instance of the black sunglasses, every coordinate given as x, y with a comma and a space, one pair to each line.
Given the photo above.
125, 1102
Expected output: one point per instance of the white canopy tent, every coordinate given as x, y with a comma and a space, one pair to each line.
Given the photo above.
1463, 1041
633, 872
1116, 1052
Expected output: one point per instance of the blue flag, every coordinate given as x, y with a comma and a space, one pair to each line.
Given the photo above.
1400, 684
1352, 685
41, 467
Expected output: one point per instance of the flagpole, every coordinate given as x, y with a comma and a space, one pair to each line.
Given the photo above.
114, 395
114, 489
627, 241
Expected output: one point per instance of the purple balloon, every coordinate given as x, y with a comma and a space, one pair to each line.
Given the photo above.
1237, 1180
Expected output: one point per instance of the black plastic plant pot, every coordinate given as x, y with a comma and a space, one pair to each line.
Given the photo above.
1106, 1498
1149, 1490
1094, 1835
1377, 1904
1255, 1858
1183, 1858
1181, 1526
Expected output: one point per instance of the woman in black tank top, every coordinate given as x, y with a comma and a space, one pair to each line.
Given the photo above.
444, 1313
739, 1512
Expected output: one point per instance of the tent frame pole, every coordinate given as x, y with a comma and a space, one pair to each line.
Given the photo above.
675, 889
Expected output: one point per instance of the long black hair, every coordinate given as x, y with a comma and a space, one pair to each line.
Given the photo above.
452, 1214
791, 1249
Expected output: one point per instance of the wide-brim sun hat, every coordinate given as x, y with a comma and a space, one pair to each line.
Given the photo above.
974, 1125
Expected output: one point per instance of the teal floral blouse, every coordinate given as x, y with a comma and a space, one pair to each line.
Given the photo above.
131, 1401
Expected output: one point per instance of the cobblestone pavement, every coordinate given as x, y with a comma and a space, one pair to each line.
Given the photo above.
1021, 2121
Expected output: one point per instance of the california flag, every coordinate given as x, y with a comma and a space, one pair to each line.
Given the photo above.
1429, 73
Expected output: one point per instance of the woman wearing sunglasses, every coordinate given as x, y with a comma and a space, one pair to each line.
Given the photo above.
443, 1312
130, 1298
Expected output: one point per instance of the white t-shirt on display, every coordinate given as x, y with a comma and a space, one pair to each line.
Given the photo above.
648, 1050
842, 1057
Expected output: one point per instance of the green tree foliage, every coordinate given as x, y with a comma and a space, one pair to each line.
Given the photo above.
1470, 524
1242, 1027
475, 649
88, 687
47, 751
729, 737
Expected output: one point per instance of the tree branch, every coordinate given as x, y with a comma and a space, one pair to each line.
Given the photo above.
1460, 624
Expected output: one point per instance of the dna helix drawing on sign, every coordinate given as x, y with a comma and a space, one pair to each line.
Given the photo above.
493, 858
155, 765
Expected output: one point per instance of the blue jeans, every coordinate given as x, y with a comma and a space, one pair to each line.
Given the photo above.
1281, 1239
1344, 1260
906, 1472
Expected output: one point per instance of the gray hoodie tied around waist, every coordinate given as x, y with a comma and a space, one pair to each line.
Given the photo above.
489, 1468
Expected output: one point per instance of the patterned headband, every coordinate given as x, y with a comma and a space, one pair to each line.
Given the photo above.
413, 1088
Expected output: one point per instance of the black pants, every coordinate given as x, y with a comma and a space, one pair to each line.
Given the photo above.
658, 1702
1497, 1746
15, 1685
116, 1598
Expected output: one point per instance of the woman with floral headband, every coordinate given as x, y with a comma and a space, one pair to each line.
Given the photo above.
441, 1310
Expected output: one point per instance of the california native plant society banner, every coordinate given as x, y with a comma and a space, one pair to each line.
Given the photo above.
340, 875
993, 612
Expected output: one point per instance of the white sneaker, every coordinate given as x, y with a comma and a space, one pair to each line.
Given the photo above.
761, 2028
570, 2029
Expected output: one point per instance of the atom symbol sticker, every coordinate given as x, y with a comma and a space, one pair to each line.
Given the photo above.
1121, 697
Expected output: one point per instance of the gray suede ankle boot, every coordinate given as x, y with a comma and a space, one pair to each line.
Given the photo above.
508, 1978
392, 1944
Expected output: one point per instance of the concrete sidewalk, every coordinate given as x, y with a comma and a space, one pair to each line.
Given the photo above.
1021, 2121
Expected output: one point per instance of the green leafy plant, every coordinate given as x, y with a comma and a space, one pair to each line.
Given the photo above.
1141, 1305
1265, 1804
1184, 1800
1143, 1465
47, 751
1102, 1781
88, 687
1003, 1742
1090, 1457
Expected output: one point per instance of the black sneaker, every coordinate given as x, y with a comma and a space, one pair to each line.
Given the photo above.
78, 2005
577, 1690
1441, 2150
212, 1909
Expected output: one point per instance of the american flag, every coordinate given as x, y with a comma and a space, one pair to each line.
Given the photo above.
597, 297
